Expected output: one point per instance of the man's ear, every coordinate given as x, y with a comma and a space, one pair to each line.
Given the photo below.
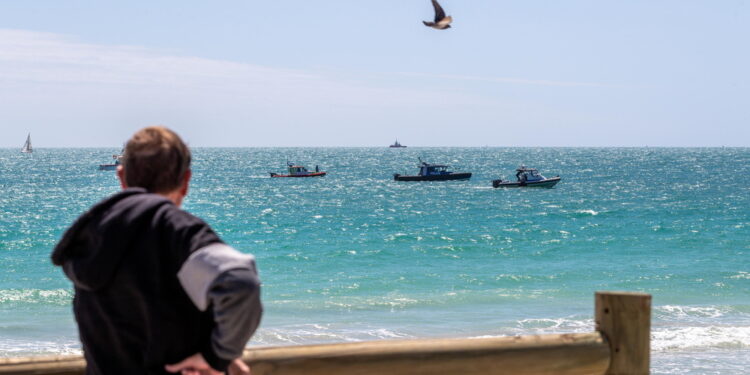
121, 176
186, 182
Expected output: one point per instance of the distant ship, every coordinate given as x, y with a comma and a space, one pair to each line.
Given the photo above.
397, 145
27, 149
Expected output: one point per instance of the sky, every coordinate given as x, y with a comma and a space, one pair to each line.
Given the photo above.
333, 73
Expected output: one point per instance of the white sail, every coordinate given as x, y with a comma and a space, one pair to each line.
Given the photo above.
27, 146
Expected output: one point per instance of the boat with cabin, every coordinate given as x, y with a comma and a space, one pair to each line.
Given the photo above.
111, 166
527, 177
299, 171
397, 145
27, 149
433, 172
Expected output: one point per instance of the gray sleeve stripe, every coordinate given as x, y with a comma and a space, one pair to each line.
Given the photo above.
205, 265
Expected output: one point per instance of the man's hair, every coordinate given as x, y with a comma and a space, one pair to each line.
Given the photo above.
155, 159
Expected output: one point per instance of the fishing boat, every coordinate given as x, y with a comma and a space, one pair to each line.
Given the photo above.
111, 166
27, 149
433, 172
299, 171
527, 177
397, 145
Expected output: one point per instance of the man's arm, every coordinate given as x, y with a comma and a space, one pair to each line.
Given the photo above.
226, 281
235, 297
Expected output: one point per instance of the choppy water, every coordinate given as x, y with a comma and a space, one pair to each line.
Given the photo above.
357, 256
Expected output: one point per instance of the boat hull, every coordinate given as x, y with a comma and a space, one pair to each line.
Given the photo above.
440, 177
107, 167
314, 174
546, 183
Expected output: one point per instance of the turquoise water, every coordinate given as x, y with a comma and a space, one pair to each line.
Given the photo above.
357, 256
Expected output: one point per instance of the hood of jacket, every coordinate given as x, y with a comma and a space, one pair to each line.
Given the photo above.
91, 250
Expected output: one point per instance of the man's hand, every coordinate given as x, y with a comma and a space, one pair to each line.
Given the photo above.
196, 365
237, 367
193, 365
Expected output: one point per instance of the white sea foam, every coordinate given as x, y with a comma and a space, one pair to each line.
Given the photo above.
741, 275
23, 348
321, 333
590, 212
684, 338
395, 236
389, 302
700, 362
41, 296
674, 312
569, 324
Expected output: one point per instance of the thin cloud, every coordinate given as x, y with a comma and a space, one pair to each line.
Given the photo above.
45, 57
30, 58
520, 81
102, 90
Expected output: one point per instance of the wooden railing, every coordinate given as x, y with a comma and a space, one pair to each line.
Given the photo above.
620, 345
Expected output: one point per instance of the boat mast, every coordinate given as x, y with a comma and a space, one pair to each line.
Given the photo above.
27, 145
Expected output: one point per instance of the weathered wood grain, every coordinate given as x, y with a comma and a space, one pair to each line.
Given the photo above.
625, 319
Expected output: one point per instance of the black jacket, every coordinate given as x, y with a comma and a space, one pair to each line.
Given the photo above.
134, 313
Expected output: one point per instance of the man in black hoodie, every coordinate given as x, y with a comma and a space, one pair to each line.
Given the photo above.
156, 290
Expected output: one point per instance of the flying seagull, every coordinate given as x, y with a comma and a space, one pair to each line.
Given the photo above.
441, 21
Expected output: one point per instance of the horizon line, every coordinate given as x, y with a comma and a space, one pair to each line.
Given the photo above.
386, 147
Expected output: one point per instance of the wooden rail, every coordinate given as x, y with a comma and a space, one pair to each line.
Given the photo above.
620, 345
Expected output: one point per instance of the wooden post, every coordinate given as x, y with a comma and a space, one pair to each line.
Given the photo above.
625, 320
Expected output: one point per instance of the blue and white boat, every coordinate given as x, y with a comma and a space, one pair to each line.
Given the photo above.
527, 177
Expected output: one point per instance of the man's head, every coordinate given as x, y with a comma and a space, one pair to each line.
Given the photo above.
157, 160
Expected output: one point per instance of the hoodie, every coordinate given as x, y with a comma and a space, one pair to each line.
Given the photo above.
154, 285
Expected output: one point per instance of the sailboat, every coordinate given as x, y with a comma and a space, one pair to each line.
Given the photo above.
26, 149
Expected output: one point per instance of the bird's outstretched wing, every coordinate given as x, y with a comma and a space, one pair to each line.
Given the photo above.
439, 12
446, 21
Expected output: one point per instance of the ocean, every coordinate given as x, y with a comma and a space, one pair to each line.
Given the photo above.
357, 256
